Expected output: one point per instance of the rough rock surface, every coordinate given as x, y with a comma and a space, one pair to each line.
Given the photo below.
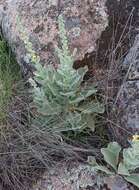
79, 177
84, 22
63, 178
129, 92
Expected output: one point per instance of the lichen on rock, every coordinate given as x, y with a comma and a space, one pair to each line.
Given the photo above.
129, 92
84, 22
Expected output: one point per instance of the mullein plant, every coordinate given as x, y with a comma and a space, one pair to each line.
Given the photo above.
126, 167
63, 101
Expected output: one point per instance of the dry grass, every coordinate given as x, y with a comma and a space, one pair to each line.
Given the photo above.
27, 150
115, 77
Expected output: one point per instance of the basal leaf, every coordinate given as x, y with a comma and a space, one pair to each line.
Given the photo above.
91, 107
90, 121
131, 156
111, 154
122, 170
134, 179
96, 166
104, 169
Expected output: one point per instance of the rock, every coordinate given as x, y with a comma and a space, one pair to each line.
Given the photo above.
79, 177
63, 177
129, 92
131, 61
130, 106
119, 35
117, 183
84, 22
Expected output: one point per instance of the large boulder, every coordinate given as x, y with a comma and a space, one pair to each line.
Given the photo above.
84, 23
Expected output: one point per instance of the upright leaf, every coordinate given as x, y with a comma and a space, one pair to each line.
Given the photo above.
122, 170
131, 156
111, 154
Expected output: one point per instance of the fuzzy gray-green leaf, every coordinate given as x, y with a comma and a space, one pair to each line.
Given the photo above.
134, 179
122, 170
111, 154
131, 156
96, 166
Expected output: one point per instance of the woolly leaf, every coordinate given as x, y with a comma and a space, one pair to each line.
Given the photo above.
111, 154
103, 169
90, 121
133, 178
96, 166
122, 170
91, 107
131, 156
83, 95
